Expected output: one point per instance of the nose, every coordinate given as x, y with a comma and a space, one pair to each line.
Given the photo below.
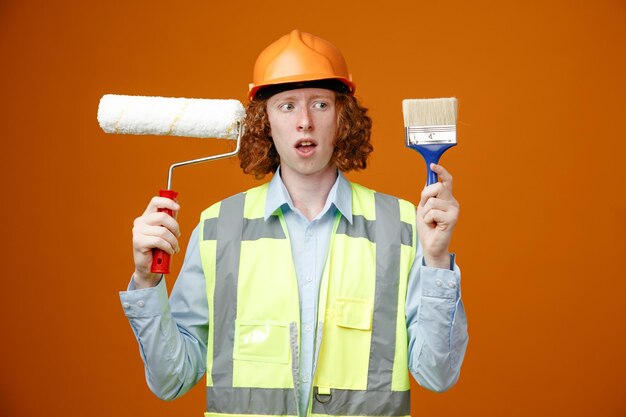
304, 120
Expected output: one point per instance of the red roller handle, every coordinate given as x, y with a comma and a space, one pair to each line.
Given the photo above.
160, 258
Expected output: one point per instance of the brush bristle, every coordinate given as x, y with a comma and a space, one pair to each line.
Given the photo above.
429, 111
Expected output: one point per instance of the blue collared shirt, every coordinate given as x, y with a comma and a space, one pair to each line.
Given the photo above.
172, 334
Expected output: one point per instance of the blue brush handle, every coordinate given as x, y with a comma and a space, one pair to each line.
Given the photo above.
431, 154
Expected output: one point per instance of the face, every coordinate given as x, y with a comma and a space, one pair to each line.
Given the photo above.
303, 125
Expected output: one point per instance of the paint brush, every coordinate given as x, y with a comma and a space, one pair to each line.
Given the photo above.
430, 128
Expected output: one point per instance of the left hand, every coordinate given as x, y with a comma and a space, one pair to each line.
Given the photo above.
437, 214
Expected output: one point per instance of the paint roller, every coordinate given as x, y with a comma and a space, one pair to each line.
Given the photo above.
165, 116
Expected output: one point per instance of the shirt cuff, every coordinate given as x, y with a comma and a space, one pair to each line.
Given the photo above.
441, 283
145, 302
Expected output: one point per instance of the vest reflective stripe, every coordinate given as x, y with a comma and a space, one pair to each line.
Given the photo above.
365, 403
386, 295
228, 249
230, 230
253, 229
361, 227
209, 229
268, 401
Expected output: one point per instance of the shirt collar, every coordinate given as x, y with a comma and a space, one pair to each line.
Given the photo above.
340, 196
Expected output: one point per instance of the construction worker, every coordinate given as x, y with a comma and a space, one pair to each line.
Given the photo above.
307, 295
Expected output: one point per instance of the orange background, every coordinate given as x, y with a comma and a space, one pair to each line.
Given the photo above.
539, 173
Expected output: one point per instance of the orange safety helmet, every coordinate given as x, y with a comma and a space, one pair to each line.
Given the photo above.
300, 59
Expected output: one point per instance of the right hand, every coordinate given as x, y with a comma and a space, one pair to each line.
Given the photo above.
154, 229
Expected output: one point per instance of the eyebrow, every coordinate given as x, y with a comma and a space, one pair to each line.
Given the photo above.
323, 96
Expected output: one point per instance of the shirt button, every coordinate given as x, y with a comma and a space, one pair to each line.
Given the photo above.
438, 282
307, 328
305, 379
140, 303
451, 284
309, 278
126, 305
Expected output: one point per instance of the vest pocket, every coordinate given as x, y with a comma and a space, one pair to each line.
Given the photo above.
345, 350
354, 313
261, 341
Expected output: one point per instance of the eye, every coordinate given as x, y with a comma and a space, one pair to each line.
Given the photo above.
320, 105
286, 107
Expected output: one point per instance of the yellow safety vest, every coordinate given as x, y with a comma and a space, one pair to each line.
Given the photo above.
254, 315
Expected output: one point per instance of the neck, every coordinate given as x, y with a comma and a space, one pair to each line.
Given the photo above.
309, 192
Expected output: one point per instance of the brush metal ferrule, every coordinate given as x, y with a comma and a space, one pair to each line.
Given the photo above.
425, 135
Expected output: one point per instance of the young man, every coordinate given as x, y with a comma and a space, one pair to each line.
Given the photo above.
308, 295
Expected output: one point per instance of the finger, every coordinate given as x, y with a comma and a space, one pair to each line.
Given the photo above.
146, 237
436, 190
156, 231
148, 243
436, 207
434, 203
439, 218
160, 219
429, 192
444, 176
157, 203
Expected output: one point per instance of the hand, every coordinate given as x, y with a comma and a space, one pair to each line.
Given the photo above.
437, 214
154, 229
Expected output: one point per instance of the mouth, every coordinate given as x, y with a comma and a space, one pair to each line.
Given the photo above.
305, 146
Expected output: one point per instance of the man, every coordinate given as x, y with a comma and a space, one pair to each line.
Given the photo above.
308, 295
